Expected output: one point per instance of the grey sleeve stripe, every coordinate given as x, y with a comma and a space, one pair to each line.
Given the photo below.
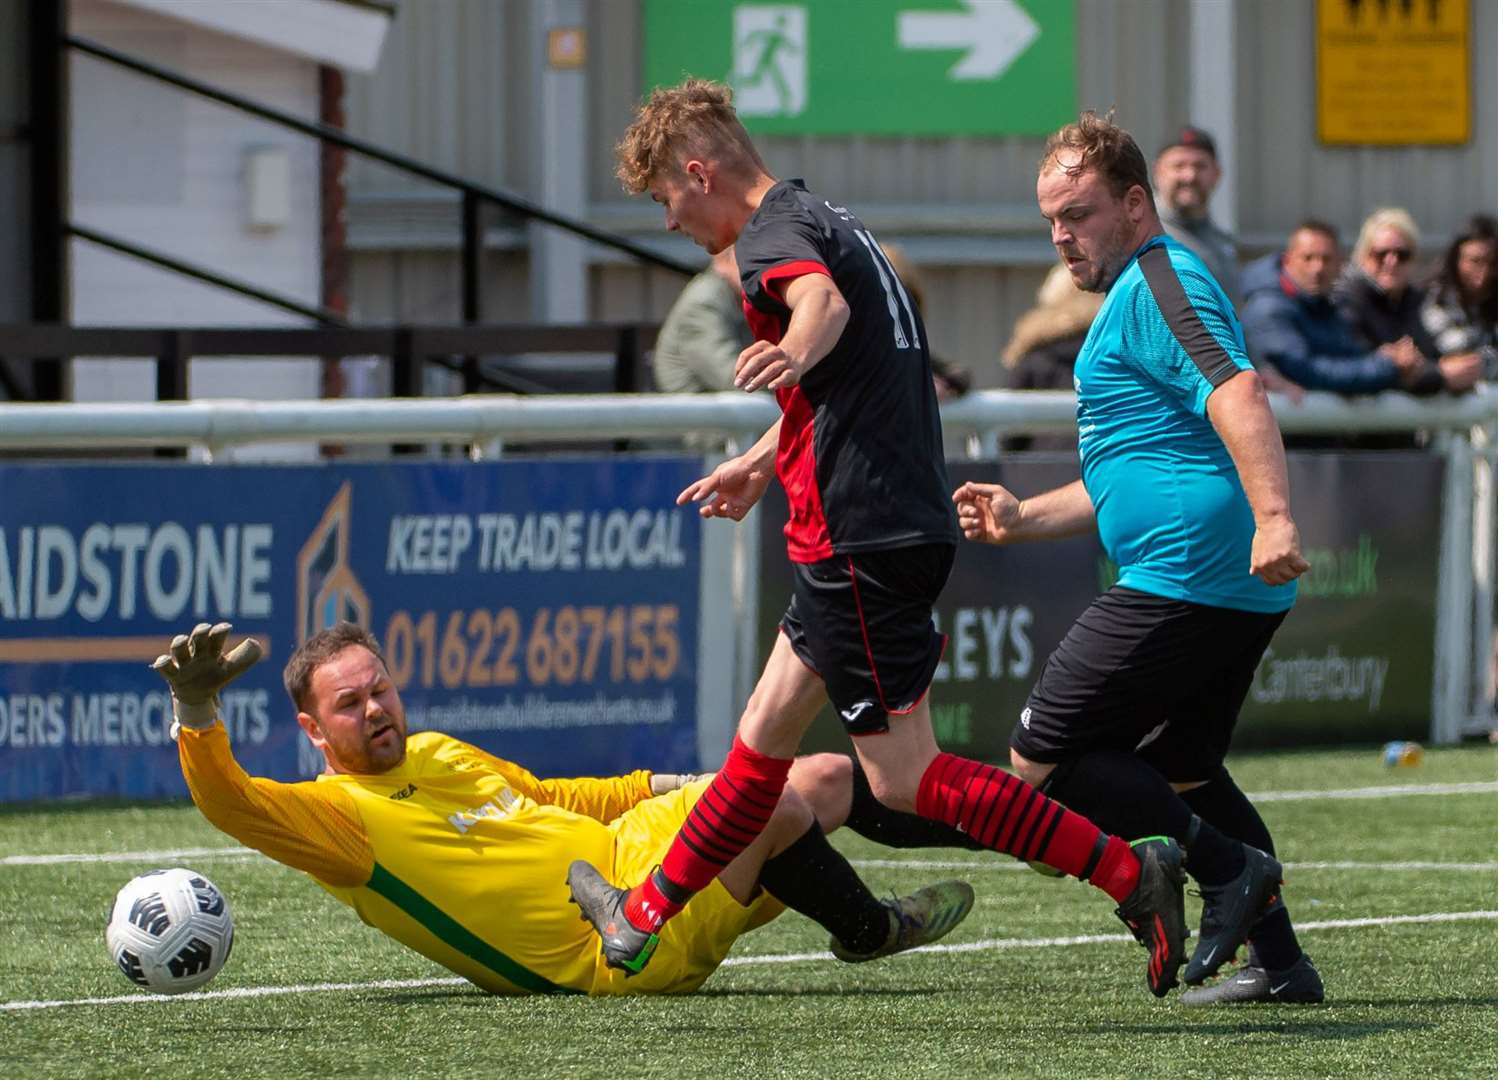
1210, 358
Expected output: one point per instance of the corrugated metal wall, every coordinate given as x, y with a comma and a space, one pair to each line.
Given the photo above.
963, 208
1285, 175
457, 83
1127, 57
451, 90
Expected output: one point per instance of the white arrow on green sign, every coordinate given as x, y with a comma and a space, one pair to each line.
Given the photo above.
875, 67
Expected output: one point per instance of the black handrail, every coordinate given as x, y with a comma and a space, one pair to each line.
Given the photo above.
508, 200
323, 315
410, 348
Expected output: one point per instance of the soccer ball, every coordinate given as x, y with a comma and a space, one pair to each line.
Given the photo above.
170, 931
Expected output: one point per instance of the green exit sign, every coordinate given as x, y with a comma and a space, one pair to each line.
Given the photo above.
875, 67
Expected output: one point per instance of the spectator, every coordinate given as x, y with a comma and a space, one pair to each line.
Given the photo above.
1186, 174
1292, 325
1047, 338
909, 275
1461, 307
950, 380
1044, 346
1378, 299
704, 332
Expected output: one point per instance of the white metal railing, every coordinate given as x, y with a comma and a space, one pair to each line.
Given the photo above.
1464, 428
479, 419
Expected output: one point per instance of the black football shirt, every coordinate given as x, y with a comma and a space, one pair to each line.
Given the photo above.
860, 452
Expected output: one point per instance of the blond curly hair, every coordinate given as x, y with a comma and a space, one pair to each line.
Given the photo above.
694, 119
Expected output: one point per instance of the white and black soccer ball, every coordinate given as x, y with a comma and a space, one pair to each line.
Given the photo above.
170, 931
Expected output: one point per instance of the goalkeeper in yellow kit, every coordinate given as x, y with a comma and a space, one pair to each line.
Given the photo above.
463, 856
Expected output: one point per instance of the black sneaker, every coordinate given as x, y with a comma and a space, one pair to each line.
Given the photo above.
1155, 911
918, 919
1300, 984
1230, 910
625, 946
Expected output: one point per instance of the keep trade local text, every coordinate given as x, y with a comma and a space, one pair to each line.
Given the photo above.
600, 540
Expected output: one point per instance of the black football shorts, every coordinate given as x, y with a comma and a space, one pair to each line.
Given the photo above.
863, 623
1163, 678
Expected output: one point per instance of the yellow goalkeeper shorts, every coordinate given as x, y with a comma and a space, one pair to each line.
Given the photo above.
695, 942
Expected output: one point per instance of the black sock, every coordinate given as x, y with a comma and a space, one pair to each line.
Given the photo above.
1221, 802
1125, 796
871, 819
1273, 941
811, 877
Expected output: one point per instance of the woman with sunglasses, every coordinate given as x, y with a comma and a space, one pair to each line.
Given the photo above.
1378, 297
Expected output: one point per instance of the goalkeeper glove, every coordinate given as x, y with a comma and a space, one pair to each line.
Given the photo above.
196, 669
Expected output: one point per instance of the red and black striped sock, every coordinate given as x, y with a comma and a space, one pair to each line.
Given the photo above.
732, 811
1002, 812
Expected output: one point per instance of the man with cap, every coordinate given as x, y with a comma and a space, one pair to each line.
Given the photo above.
1186, 174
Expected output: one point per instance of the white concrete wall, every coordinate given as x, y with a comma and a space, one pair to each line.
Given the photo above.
165, 169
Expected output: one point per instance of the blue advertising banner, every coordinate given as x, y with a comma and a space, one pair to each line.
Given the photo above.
543, 610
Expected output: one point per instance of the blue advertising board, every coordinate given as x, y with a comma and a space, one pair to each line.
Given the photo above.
543, 610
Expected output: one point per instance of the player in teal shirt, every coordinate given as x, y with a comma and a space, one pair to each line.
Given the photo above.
1184, 477
1170, 507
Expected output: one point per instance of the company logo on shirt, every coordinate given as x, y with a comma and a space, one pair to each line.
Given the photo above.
404, 793
501, 806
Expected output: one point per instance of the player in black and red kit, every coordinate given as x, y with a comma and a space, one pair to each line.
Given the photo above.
871, 537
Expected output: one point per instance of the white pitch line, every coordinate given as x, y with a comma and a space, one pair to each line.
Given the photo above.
1385, 792
1390, 791
241, 992
990, 945
981, 864
997, 944
131, 856
1453, 867
178, 854
1399, 920
989, 863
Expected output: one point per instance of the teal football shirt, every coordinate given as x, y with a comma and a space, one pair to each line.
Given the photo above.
1171, 510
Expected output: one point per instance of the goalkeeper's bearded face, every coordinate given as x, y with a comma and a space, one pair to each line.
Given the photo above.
356, 718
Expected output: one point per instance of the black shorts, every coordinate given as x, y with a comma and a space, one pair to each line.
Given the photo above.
863, 623
1162, 678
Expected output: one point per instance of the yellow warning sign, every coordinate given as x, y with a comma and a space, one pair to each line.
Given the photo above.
1393, 72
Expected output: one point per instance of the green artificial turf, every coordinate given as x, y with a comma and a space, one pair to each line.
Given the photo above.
1403, 999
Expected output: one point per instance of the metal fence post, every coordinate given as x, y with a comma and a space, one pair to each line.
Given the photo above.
1484, 562
1453, 646
405, 365
407, 376
473, 253
48, 153
171, 379
746, 558
627, 361
171, 368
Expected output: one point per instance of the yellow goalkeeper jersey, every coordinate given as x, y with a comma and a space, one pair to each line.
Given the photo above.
456, 853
